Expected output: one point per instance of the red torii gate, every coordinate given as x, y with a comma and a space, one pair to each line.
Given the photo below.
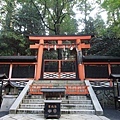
59, 44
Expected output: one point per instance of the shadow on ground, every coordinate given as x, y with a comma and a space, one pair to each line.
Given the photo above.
3, 113
111, 113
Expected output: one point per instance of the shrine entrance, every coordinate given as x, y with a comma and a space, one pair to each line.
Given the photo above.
66, 60
59, 69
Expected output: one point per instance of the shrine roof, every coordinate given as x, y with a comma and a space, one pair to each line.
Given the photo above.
13, 84
117, 76
18, 59
89, 58
10, 84
93, 58
3, 76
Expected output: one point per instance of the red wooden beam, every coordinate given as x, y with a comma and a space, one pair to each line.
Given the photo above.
60, 38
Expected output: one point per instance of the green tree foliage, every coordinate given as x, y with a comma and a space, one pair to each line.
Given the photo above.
69, 26
33, 17
113, 11
27, 20
54, 13
85, 8
107, 42
19, 18
7, 10
12, 42
105, 46
95, 26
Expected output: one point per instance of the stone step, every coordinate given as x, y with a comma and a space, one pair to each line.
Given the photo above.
34, 97
76, 102
77, 106
30, 111
64, 101
71, 111
63, 106
59, 81
63, 111
83, 97
78, 97
32, 106
33, 101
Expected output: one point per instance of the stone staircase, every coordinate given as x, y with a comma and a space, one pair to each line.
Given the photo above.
80, 104
70, 105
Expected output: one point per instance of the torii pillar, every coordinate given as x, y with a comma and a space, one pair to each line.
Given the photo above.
81, 71
39, 59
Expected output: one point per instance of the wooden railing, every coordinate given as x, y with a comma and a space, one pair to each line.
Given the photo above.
18, 101
70, 89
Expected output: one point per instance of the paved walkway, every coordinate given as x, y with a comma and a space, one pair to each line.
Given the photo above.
63, 117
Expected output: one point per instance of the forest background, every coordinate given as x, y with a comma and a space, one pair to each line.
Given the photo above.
21, 18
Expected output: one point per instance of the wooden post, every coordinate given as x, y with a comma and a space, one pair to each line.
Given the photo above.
109, 72
109, 68
59, 50
81, 71
59, 68
35, 71
39, 59
10, 71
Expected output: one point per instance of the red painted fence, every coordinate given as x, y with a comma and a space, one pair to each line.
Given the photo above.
70, 89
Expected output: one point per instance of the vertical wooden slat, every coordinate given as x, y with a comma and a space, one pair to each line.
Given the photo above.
59, 68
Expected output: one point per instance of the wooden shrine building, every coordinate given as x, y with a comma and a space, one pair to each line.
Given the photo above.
68, 65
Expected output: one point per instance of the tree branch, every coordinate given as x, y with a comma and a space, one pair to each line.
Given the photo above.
62, 17
49, 12
41, 17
